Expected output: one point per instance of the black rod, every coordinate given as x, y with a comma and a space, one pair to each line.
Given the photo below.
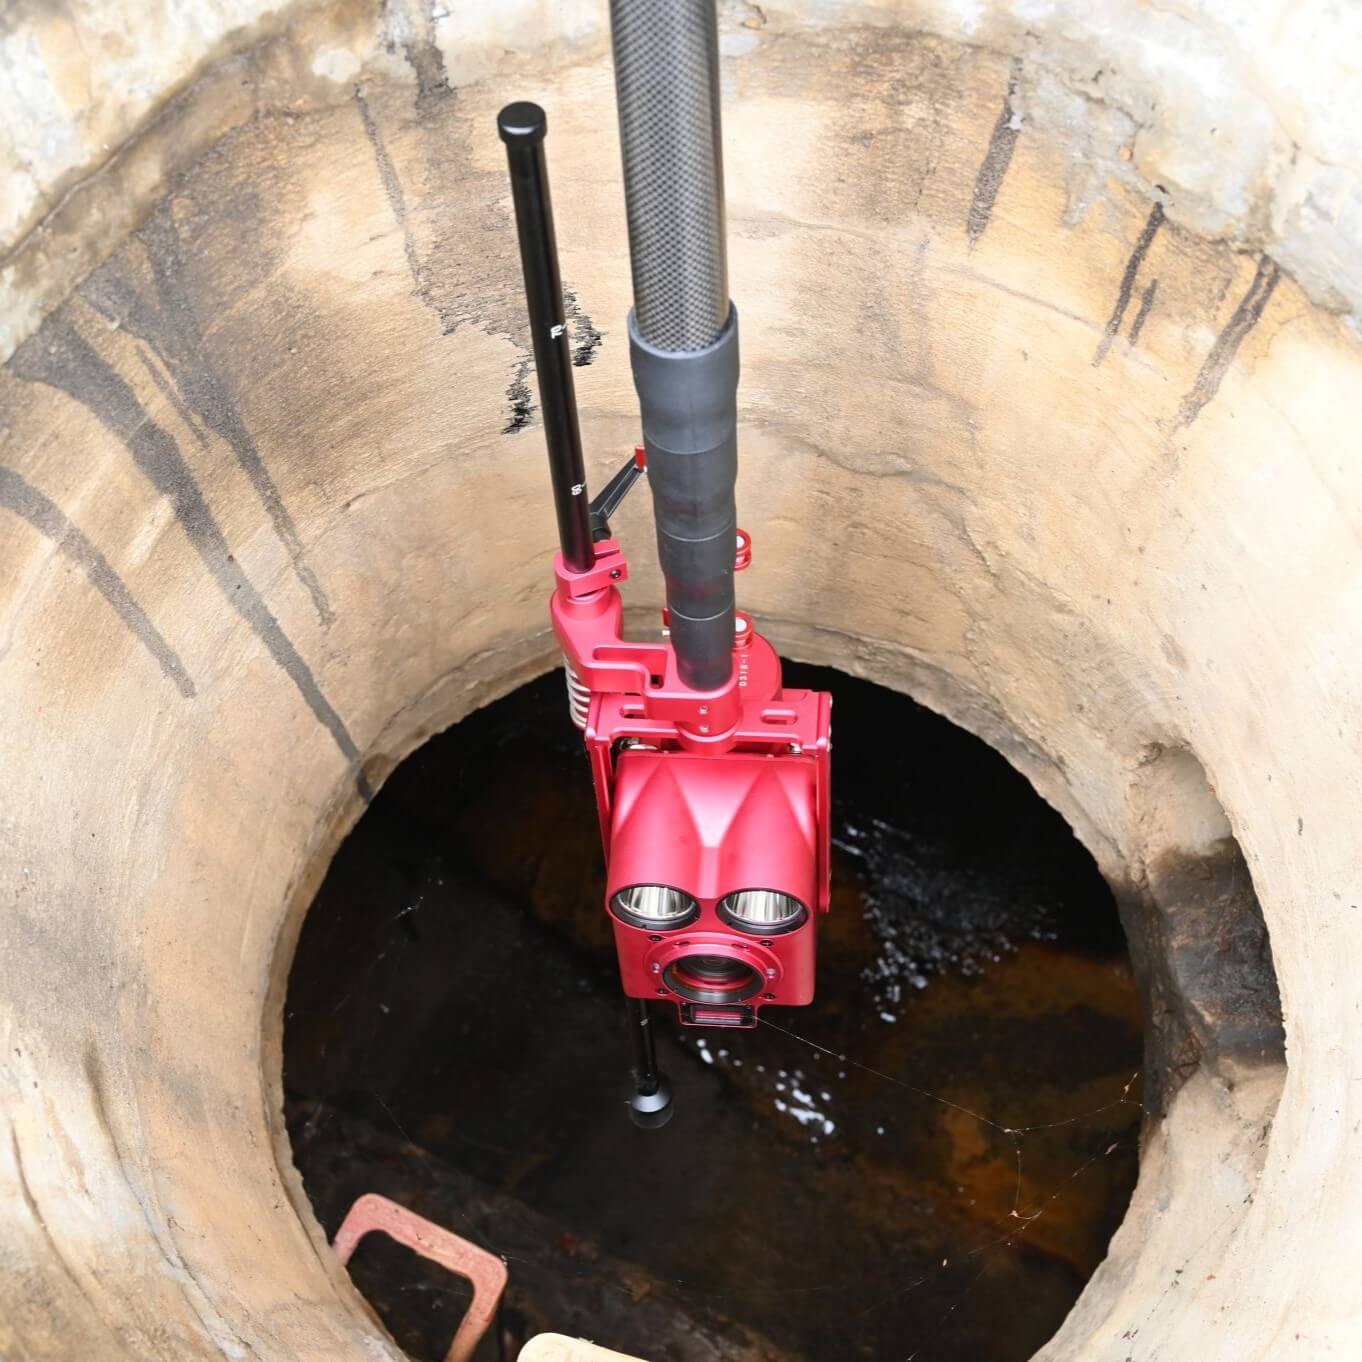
522, 127
650, 1095
647, 1079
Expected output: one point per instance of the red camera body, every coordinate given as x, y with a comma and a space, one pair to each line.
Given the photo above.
714, 806
713, 826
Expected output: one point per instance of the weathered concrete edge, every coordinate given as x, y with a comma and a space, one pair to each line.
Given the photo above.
1117, 130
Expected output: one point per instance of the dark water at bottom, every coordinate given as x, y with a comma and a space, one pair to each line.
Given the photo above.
453, 1038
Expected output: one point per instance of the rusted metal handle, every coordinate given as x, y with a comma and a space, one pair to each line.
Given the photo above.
485, 1271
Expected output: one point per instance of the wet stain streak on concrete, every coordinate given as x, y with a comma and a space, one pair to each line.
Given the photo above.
520, 397
997, 158
170, 326
422, 51
397, 201
40, 511
1128, 277
1227, 343
586, 343
586, 337
59, 356
1142, 315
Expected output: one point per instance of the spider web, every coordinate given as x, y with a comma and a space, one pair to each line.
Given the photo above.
1019, 1220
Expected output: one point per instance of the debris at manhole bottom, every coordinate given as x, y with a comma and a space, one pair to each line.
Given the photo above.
559, 1283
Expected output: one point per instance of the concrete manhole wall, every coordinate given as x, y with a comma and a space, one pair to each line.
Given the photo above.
1019, 438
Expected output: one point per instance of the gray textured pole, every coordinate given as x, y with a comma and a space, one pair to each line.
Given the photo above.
683, 331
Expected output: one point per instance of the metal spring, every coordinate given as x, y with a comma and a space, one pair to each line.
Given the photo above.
579, 695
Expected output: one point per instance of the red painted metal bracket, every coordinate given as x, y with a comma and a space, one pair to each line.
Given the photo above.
484, 1271
770, 826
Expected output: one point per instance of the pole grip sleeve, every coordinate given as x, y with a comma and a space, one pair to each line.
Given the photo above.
689, 405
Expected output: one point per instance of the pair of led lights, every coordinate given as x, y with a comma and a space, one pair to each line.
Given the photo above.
659, 908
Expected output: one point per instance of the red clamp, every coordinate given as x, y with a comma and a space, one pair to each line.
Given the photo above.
609, 569
743, 558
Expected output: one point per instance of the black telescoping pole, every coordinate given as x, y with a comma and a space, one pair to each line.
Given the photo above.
522, 127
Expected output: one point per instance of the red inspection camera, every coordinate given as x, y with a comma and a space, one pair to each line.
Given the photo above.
714, 808
712, 779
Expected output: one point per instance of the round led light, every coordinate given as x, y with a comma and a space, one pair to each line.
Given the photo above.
656, 907
765, 912
712, 979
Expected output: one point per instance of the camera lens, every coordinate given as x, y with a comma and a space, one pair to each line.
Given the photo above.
712, 979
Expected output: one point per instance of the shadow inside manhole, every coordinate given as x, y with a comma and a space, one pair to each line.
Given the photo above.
929, 1161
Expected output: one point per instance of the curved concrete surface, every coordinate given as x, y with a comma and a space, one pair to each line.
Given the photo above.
273, 499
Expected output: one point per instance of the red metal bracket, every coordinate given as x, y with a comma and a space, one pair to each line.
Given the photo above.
485, 1271
609, 569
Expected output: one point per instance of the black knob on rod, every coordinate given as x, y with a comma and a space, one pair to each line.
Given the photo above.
650, 1095
522, 126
